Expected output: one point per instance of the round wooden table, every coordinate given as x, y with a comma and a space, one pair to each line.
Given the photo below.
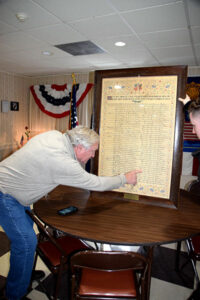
107, 217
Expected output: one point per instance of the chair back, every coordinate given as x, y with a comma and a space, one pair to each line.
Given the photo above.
112, 262
45, 232
193, 187
108, 260
55, 252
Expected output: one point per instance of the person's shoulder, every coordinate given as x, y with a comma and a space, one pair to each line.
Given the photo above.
53, 133
49, 137
50, 133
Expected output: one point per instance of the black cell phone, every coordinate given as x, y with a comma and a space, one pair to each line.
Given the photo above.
67, 210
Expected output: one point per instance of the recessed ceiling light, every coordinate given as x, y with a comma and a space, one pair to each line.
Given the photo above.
21, 16
47, 53
120, 44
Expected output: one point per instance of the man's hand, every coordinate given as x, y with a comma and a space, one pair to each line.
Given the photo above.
131, 177
186, 100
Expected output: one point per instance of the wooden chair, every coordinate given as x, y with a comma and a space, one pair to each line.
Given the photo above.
193, 244
110, 275
55, 252
193, 247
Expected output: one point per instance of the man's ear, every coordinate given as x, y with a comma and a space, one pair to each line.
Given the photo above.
78, 148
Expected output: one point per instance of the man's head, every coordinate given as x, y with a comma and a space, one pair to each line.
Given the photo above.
85, 142
194, 113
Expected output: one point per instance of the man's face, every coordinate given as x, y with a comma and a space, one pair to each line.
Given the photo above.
83, 154
195, 121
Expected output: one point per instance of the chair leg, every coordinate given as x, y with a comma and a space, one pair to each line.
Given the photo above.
58, 278
178, 252
56, 286
150, 257
193, 261
34, 265
39, 281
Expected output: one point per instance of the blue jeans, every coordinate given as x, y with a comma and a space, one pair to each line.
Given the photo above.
19, 228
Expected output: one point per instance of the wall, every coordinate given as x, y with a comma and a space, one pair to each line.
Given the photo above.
12, 124
13, 88
16, 88
194, 71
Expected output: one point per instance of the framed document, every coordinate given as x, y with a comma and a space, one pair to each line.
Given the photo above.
140, 122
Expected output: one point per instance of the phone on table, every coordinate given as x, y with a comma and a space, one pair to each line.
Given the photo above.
67, 210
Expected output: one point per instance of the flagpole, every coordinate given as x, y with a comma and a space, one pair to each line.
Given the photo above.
70, 115
74, 78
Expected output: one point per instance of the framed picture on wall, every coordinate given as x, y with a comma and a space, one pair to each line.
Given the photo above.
14, 106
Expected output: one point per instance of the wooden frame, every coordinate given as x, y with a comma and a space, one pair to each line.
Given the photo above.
181, 73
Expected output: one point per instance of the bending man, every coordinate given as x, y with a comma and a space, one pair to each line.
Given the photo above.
46, 161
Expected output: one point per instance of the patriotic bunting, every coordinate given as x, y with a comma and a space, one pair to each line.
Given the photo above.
54, 100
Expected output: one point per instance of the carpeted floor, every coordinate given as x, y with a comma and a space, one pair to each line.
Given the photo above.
163, 267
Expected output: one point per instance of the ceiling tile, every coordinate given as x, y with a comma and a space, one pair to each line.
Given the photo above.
76, 9
138, 4
57, 34
158, 18
5, 28
166, 38
196, 35
138, 57
194, 12
101, 59
37, 16
172, 52
197, 49
36, 55
108, 44
186, 60
20, 40
4, 49
102, 27
71, 62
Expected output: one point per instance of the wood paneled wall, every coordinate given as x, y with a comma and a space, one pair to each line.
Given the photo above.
17, 88
12, 123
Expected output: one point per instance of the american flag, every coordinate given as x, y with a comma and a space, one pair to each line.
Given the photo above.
73, 120
187, 133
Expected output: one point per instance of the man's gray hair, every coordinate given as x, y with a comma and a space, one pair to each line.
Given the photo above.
84, 136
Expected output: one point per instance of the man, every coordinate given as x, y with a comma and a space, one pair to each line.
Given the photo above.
47, 160
194, 114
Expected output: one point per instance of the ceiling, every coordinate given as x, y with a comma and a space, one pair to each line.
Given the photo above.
156, 33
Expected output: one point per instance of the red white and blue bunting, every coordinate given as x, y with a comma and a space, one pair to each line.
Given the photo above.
54, 100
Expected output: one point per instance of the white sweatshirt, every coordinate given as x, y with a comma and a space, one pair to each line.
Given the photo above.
46, 161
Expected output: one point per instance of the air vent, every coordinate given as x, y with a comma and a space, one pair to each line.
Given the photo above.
80, 48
